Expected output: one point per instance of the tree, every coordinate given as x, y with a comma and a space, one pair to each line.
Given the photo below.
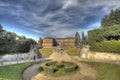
9, 43
111, 19
1, 28
40, 42
83, 36
77, 39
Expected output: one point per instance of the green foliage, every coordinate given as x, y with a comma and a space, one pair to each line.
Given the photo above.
112, 19
51, 63
11, 42
101, 34
106, 46
40, 41
40, 69
12, 72
50, 66
106, 71
54, 68
105, 39
95, 36
83, 36
112, 32
77, 39
1, 28
69, 66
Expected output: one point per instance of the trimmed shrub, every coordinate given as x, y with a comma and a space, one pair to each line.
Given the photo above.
60, 65
54, 66
49, 69
106, 46
40, 69
50, 66
69, 66
51, 63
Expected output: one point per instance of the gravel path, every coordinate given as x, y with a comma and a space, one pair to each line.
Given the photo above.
32, 70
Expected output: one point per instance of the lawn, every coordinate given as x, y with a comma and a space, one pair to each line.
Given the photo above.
12, 72
106, 71
48, 51
72, 51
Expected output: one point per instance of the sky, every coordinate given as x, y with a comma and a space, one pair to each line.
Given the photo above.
53, 18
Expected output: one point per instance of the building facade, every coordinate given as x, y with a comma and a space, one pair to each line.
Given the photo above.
54, 42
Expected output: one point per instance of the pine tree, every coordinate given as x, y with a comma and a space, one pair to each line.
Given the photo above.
112, 19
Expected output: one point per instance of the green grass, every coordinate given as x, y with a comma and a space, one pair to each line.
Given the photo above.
106, 71
72, 51
12, 72
48, 51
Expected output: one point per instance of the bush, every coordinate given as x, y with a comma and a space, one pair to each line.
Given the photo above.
50, 69
50, 66
106, 46
51, 63
40, 69
60, 65
69, 67
54, 66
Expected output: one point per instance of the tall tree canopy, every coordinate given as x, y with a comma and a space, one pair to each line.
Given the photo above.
11, 42
112, 19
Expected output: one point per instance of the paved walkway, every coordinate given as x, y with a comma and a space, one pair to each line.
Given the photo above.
32, 70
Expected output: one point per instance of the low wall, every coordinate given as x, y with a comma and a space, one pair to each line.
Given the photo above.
86, 53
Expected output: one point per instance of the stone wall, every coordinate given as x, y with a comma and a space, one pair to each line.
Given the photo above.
53, 42
66, 42
86, 53
47, 42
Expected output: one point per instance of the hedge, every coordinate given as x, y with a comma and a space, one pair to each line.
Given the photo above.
69, 66
106, 46
54, 66
49, 66
51, 63
49, 69
102, 34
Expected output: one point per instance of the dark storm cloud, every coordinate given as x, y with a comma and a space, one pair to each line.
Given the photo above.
57, 17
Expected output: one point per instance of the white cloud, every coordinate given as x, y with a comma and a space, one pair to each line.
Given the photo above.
62, 21
70, 3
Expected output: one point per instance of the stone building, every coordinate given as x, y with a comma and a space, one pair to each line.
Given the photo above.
54, 42
34, 52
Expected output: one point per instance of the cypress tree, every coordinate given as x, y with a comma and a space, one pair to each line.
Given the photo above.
77, 39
